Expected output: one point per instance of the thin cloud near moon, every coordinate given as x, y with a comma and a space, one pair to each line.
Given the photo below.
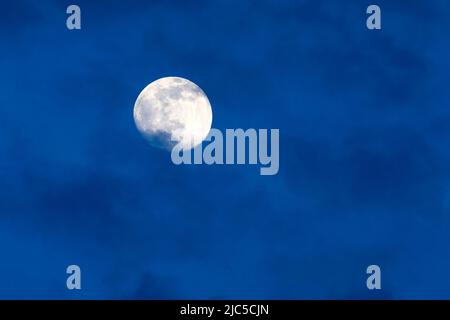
172, 111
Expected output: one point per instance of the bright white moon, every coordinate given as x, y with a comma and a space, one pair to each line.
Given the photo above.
173, 110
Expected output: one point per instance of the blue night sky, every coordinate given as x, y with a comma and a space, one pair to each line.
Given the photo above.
364, 151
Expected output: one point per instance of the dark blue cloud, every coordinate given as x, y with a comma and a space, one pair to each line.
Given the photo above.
364, 151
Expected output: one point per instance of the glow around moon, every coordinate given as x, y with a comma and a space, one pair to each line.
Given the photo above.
172, 111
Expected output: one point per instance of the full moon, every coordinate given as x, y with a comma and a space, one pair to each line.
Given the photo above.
171, 111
